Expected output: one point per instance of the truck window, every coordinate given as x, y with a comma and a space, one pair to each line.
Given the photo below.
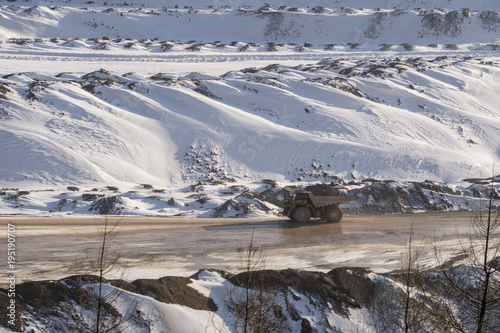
301, 196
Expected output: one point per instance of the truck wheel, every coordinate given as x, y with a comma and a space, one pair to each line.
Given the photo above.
301, 214
333, 214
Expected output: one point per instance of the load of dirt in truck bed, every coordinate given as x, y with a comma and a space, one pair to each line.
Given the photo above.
323, 190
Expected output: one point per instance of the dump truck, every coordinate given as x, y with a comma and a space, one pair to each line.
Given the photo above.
301, 205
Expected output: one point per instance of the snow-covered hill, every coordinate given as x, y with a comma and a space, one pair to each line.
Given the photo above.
280, 24
392, 118
101, 94
208, 108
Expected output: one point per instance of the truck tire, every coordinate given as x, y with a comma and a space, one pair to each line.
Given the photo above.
333, 214
301, 214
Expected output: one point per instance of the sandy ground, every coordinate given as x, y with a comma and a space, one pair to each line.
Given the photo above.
152, 247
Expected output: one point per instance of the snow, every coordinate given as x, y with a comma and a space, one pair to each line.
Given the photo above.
206, 100
162, 317
105, 136
139, 311
96, 94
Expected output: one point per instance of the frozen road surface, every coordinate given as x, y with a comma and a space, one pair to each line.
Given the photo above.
152, 247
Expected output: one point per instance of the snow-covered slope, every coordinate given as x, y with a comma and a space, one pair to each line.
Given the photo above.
405, 119
95, 94
322, 302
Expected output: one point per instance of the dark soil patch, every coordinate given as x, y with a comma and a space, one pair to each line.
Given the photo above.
268, 279
171, 290
323, 190
55, 300
52, 302
342, 287
108, 205
355, 283
51, 293
272, 195
320, 288
91, 196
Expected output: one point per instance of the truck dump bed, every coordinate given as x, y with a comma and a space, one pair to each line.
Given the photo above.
320, 201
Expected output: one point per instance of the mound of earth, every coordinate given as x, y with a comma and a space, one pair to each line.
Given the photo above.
322, 190
56, 301
170, 290
305, 301
341, 287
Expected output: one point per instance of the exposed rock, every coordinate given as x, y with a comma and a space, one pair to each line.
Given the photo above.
108, 205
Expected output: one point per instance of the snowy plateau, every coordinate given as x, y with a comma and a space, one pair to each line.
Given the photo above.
209, 108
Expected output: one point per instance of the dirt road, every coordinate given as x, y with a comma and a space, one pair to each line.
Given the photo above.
52, 248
